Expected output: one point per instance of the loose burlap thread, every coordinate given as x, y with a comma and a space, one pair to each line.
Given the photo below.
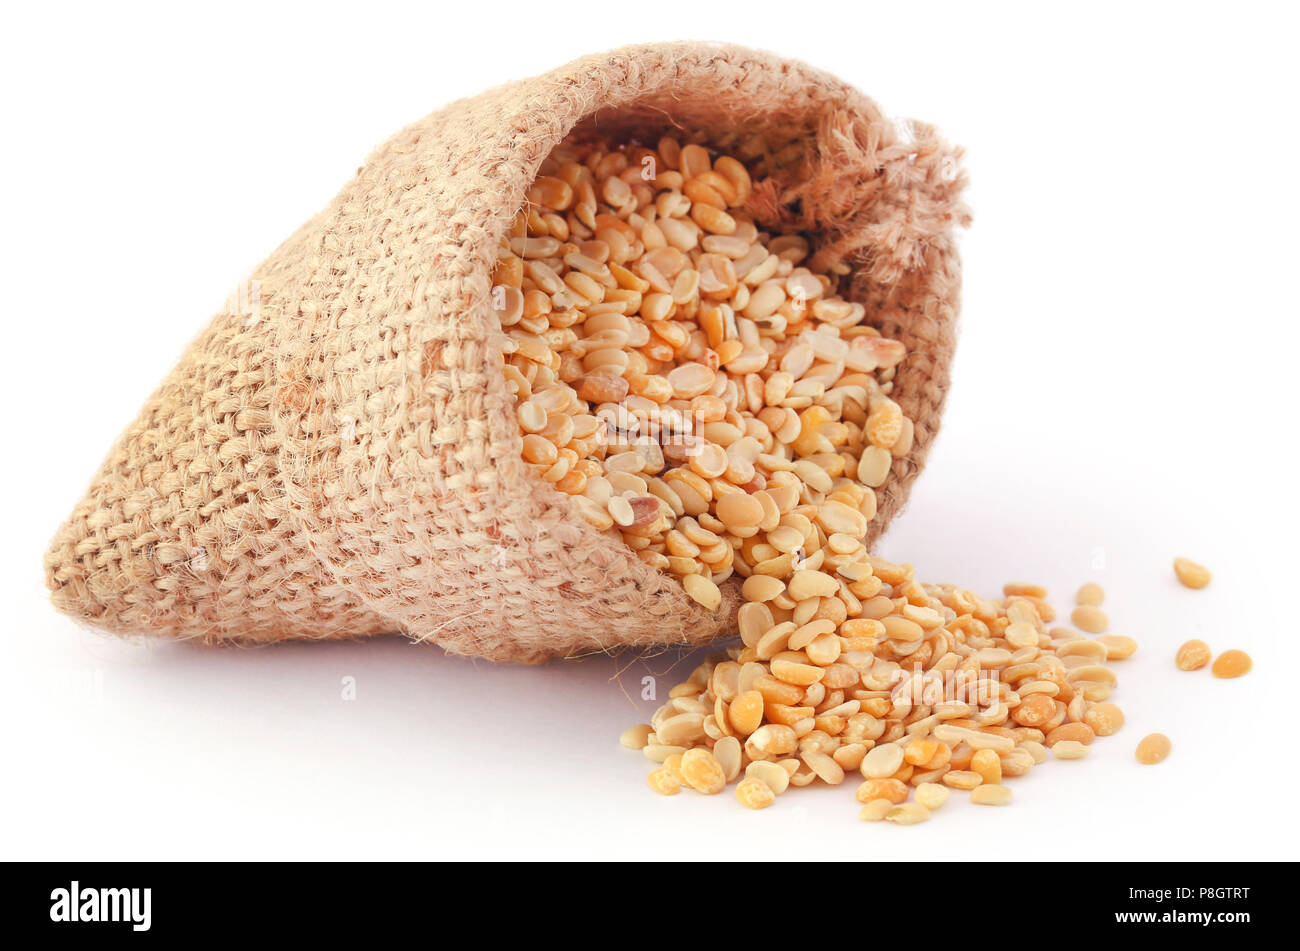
346, 461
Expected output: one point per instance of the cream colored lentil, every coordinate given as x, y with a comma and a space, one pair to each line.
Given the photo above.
774, 776
882, 761
728, 754
1090, 593
1118, 647
1069, 749
703, 590
990, 795
908, 814
1193, 655
636, 737
1036, 750
961, 779
931, 795
1087, 617
876, 810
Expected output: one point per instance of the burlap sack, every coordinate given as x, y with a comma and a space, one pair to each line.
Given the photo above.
342, 459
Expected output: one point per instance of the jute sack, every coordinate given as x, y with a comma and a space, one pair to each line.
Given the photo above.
342, 459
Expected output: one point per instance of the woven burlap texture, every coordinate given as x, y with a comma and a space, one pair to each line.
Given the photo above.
346, 461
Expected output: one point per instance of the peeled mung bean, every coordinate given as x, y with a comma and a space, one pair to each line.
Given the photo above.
987, 765
990, 795
1193, 655
1233, 663
1118, 647
961, 779
907, 814
702, 772
1090, 593
1104, 718
659, 752
772, 775
703, 591
1153, 748
1190, 573
1087, 617
882, 761
1036, 750
727, 752
635, 737
1069, 749
827, 770
891, 789
876, 810
754, 793
931, 795
1079, 732
664, 782
746, 712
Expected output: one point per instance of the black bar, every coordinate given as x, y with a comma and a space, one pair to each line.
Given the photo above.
332, 901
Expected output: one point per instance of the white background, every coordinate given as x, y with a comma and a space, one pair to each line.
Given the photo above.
1124, 393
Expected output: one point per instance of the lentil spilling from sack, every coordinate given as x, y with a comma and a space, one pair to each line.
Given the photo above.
857, 667
688, 382
703, 396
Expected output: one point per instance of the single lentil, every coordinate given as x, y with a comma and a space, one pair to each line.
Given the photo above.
1190, 573
1153, 748
1090, 593
1193, 655
1233, 663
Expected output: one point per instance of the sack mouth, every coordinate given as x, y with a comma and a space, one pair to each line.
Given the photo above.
877, 199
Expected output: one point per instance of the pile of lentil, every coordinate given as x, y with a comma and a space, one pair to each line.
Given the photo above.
920, 688
682, 375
